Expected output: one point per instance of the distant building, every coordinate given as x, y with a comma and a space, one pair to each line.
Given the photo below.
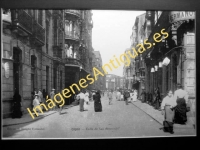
99, 84
114, 82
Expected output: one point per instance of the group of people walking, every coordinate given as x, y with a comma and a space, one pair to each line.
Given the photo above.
174, 108
84, 97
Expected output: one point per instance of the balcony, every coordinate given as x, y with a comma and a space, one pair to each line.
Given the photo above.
72, 35
73, 12
24, 25
72, 62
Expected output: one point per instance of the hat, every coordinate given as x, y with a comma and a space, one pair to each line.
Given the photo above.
53, 89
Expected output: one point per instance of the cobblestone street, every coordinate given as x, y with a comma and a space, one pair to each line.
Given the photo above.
116, 120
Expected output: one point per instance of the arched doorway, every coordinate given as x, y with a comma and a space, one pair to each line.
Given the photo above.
17, 57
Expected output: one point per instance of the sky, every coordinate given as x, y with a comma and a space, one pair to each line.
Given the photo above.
111, 34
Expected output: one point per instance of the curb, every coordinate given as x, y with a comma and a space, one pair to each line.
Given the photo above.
147, 114
37, 118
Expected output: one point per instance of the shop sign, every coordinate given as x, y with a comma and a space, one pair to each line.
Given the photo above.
181, 15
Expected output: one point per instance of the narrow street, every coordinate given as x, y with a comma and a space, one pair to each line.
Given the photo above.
117, 120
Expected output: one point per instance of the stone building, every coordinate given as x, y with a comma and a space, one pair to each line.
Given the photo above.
175, 44
97, 63
137, 37
114, 82
35, 52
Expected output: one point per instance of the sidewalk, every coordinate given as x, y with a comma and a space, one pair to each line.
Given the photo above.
157, 116
26, 118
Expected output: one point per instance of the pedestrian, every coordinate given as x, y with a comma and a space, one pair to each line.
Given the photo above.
97, 102
167, 104
36, 102
110, 96
131, 95
126, 96
81, 96
135, 96
143, 96
52, 94
90, 96
181, 98
118, 95
157, 98
17, 113
40, 96
59, 106
86, 100
93, 94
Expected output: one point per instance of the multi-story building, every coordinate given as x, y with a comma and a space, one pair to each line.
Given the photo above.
129, 71
114, 82
137, 37
97, 63
78, 45
176, 45
43, 49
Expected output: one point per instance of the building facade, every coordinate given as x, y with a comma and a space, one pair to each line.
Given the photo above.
172, 59
99, 84
43, 49
114, 82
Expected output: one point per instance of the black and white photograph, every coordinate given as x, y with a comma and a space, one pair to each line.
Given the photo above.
97, 74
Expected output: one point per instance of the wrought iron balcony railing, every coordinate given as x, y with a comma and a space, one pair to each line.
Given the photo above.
24, 25
22, 20
73, 61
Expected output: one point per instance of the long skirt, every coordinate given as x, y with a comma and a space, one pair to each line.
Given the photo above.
17, 113
168, 121
85, 106
97, 106
81, 103
134, 98
180, 112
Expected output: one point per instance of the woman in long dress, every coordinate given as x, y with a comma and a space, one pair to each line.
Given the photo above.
81, 97
86, 101
17, 113
97, 102
36, 102
181, 98
135, 96
167, 110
